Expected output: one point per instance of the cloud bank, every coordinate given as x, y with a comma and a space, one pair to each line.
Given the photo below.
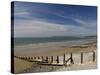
44, 20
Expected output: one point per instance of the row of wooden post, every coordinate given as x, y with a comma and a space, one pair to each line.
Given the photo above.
82, 57
64, 58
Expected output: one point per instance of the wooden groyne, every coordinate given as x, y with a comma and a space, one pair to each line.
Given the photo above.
65, 59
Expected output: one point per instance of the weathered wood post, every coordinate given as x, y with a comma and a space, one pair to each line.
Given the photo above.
81, 57
64, 59
31, 57
51, 59
25, 58
93, 56
42, 58
34, 57
57, 59
38, 57
72, 59
47, 59
22, 57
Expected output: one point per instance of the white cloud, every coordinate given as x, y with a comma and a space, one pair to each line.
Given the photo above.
86, 24
36, 28
32, 28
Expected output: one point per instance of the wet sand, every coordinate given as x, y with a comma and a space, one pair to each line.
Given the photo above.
52, 49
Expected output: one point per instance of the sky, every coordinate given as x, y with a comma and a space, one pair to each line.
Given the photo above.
47, 20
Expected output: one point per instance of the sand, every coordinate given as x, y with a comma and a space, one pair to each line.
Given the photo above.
48, 49
22, 66
34, 68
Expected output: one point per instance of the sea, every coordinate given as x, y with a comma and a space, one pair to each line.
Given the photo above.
19, 41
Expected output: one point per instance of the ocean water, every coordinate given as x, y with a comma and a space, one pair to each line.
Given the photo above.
32, 40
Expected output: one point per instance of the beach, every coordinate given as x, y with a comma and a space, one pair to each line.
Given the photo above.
56, 49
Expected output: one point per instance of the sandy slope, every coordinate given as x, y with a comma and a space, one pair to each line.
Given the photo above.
21, 65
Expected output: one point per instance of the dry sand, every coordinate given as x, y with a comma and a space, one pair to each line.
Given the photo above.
22, 66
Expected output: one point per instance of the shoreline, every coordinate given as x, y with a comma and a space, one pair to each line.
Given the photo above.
53, 49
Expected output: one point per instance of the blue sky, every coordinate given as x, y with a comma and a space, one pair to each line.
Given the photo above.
44, 20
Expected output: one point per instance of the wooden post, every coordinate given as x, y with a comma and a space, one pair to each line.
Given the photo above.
42, 58
51, 59
31, 57
72, 59
93, 56
57, 59
28, 57
38, 57
22, 57
81, 57
34, 57
64, 59
25, 58
47, 59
